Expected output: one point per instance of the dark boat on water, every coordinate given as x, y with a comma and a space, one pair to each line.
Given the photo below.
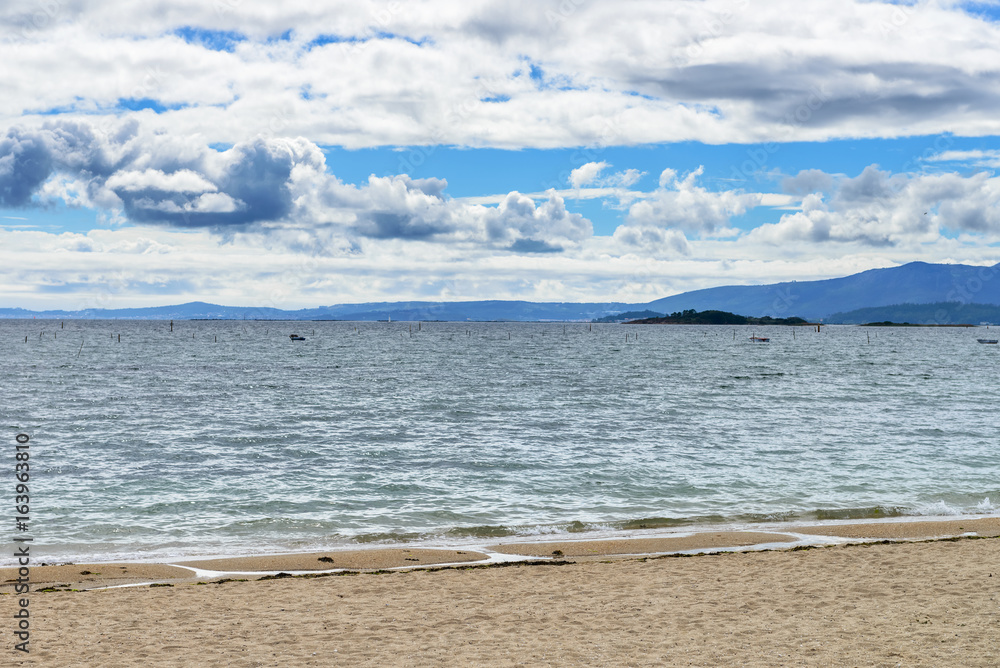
296, 337
987, 340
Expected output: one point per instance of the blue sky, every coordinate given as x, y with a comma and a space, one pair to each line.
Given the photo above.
554, 151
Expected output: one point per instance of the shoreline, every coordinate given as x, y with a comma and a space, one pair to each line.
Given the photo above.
770, 537
888, 602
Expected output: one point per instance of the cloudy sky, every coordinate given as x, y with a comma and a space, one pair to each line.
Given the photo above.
292, 154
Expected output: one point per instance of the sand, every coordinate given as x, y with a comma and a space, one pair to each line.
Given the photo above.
90, 576
353, 559
989, 526
878, 604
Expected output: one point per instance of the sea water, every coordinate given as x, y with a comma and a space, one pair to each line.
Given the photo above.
227, 437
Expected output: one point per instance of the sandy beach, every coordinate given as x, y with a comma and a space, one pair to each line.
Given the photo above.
898, 603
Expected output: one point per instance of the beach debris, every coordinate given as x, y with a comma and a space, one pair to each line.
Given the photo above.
160, 584
325, 560
557, 553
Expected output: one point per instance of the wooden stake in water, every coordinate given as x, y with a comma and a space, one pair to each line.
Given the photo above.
119, 338
171, 325
80, 350
869, 337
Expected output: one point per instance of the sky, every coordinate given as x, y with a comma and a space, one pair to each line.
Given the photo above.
298, 154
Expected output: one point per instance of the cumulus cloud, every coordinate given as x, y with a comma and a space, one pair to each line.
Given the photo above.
586, 174
652, 240
155, 181
876, 208
522, 226
683, 204
181, 181
807, 181
25, 164
264, 184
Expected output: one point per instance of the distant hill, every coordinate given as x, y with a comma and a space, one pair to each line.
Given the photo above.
913, 283
453, 311
941, 313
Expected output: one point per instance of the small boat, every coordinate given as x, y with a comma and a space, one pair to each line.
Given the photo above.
988, 340
762, 339
296, 337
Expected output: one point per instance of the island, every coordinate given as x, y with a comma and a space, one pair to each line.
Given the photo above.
693, 317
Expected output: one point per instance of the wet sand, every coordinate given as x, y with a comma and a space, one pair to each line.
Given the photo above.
593, 548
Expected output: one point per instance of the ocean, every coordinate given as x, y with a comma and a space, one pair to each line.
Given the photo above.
228, 438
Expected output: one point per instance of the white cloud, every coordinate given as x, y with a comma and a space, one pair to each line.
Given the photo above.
682, 204
587, 173
988, 159
181, 181
876, 208
441, 72
652, 240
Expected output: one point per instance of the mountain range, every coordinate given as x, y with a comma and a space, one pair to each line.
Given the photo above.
945, 288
